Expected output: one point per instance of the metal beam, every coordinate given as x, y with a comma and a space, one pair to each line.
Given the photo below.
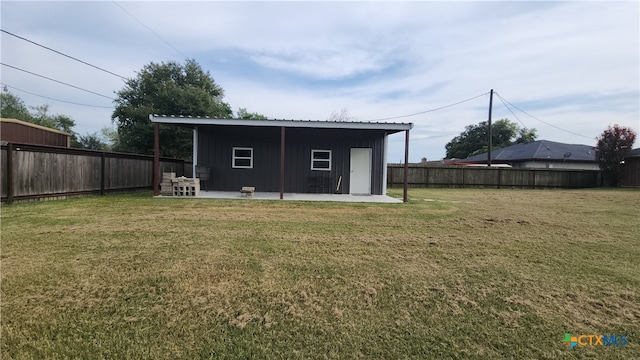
156, 158
281, 162
195, 153
406, 166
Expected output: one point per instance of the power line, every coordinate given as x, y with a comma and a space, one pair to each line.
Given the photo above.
430, 110
63, 54
508, 108
544, 122
58, 81
50, 98
153, 32
426, 138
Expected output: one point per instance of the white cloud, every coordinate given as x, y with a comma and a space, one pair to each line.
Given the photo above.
576, 64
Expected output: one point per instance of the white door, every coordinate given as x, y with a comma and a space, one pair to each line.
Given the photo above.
360, 179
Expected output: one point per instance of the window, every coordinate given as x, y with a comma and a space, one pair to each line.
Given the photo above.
242, 158
321, 160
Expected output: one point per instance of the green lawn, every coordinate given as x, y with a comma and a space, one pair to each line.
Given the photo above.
452, 274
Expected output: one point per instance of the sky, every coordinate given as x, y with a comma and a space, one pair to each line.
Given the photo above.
568, 69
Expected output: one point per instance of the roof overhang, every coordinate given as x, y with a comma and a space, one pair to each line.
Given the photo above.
312, 124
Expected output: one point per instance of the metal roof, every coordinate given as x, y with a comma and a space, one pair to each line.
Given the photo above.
35, 126
539, 150
318, 124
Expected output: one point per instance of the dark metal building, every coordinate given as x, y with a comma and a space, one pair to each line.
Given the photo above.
18, 131
291, 155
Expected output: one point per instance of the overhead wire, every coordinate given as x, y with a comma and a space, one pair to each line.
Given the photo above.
508, 108
544, 122
50, 98
425, 138
63, 54
54, 80
151, 30
430, 110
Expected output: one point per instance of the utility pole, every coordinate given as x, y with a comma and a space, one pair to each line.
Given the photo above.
490, 132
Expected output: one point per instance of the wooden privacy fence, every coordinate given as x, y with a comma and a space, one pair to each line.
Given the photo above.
36, 171
482, 177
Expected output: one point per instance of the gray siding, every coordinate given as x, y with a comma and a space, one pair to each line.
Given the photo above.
215, 150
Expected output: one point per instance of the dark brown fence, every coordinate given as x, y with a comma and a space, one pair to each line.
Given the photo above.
35, 171
479, 177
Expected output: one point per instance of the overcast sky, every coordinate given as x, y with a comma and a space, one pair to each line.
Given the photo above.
569, 69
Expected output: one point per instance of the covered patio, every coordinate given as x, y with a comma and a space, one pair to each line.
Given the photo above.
289, 159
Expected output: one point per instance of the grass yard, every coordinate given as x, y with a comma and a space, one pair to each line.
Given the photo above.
452, 274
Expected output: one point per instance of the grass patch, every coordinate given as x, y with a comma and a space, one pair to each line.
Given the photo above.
454, 273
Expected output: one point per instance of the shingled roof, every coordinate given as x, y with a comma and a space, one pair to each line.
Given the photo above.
538, 150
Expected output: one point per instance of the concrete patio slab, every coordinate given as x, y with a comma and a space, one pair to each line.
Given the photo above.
293, 197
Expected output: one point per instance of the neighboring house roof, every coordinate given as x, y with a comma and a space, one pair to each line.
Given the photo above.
183, 120
538, 150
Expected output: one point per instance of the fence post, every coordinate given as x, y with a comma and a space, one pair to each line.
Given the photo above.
571, 186
426, 180
9, 173
102, 173
463, 183
392, 167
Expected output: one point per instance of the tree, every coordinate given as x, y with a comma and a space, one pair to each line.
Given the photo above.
341, 116
245, 115
60, 122
166, 89
93, 142
110, 136
475, 140
613, 146
12, 107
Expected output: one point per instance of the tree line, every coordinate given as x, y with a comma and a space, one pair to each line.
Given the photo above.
171, 88
168, 88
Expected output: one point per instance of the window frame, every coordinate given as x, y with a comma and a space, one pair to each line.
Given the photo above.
328, 161
234, 157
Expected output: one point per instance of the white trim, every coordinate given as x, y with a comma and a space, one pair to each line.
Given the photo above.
313, 151
282, 123
234, 157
